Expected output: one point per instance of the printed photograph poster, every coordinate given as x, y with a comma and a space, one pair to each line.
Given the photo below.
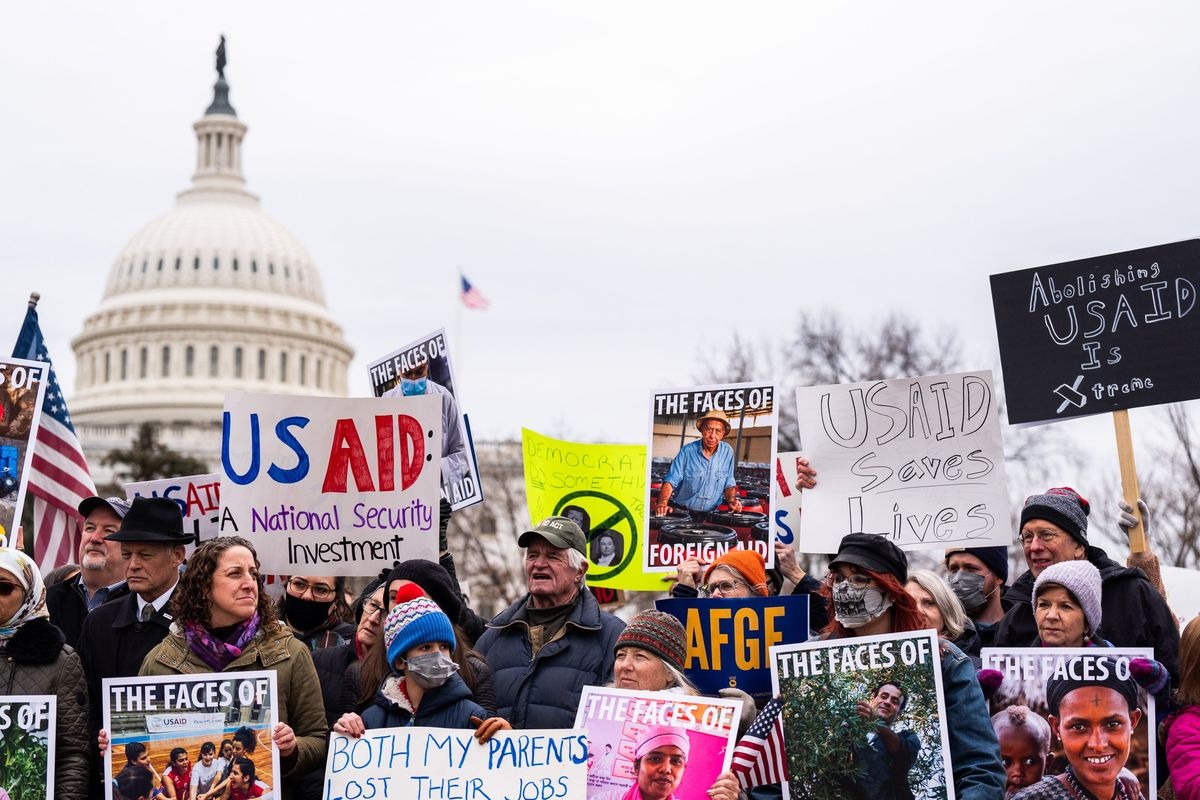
22, 392
690, 513
1093, 692
1099, 334
158, 714
27, 725
788, 498
918, 460
729, 639
422, 368
198, 497
443, 763
331, 485
844, 699
694, 734
603, 488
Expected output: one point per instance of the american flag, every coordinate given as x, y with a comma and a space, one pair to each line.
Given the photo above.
471, 296
758, 757
58, 477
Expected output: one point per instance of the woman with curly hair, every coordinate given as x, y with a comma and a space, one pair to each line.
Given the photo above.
224, 622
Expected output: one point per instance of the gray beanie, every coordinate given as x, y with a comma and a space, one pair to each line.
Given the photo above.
1081, 579
1064, 507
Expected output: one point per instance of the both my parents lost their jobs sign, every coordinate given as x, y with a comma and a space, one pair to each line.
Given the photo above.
1100, 334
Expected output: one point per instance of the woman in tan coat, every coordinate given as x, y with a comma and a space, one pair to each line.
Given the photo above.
224, 622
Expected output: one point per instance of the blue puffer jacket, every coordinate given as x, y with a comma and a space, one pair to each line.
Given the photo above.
974, 751
543, 692
448, 706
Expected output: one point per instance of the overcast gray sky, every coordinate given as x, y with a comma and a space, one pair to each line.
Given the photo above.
629, 183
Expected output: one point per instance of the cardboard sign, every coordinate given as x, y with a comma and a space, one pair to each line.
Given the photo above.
1032, 734
331, 486
729, 640
423, 367
27, 732
161, 713
442, 763
918, 460
22, 392
601, 487
198, 497
836, 693
622, 723
1100, 334
698, 475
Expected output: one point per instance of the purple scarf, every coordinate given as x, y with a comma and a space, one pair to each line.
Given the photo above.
216, 652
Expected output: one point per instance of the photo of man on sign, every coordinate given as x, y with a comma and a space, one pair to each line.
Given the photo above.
884, 757
701, 476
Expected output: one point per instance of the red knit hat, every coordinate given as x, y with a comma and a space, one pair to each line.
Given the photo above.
746, 563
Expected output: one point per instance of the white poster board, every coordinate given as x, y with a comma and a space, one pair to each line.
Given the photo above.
918, 460
198, 497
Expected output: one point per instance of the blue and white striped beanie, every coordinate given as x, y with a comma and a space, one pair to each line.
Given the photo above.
414, 622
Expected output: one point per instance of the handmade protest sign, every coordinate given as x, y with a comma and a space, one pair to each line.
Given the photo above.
633, 736
846, 700
712, 451
422, 368
157, 715
198, 497
22, 391
442, 763
787, 497
1099, 334
601, 487
27, 727
331, 486
918, 460
729, 640
1051, 703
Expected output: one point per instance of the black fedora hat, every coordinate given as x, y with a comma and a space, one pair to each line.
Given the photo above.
152, 519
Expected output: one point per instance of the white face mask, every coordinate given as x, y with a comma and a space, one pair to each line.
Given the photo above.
855, 606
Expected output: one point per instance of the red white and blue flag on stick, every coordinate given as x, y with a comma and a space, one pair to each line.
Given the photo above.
58, 477
470, 296
758, 757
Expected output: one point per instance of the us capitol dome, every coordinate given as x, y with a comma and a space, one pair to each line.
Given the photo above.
211, 296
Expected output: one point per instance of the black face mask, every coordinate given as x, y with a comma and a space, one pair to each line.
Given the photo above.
305, 615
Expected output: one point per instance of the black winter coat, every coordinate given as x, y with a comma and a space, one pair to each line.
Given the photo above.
36, 661
543, 691
68, 609
1133, 613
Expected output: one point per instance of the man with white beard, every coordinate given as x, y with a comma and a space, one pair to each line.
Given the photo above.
101, 570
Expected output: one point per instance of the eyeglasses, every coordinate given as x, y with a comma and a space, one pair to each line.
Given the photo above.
855, 580
298, 586
8, 587
1045, 537
724, 587
656, 759
370, 607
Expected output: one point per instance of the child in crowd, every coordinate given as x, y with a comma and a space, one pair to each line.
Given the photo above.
1182, 728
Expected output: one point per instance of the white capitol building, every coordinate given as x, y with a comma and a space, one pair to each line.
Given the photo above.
211, 296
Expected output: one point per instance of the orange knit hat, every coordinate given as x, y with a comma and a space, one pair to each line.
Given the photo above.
746, 563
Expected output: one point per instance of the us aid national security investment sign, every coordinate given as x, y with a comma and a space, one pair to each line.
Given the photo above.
331, 486
1100, 334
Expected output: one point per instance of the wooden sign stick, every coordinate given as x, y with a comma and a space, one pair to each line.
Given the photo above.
1129, 481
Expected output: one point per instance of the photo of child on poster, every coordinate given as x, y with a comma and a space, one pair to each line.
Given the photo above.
1046, 708
423, 368
27, 725
173, 730
864, 718
649, 745
709, 475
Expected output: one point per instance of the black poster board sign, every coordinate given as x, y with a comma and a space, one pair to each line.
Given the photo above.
1100, 334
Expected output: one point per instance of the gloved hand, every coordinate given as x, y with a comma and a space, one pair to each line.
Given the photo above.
443, 525
487, 728
989, 681
1151, 675
1127, 520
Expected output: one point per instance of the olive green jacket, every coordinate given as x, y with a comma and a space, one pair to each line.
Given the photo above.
300, 703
